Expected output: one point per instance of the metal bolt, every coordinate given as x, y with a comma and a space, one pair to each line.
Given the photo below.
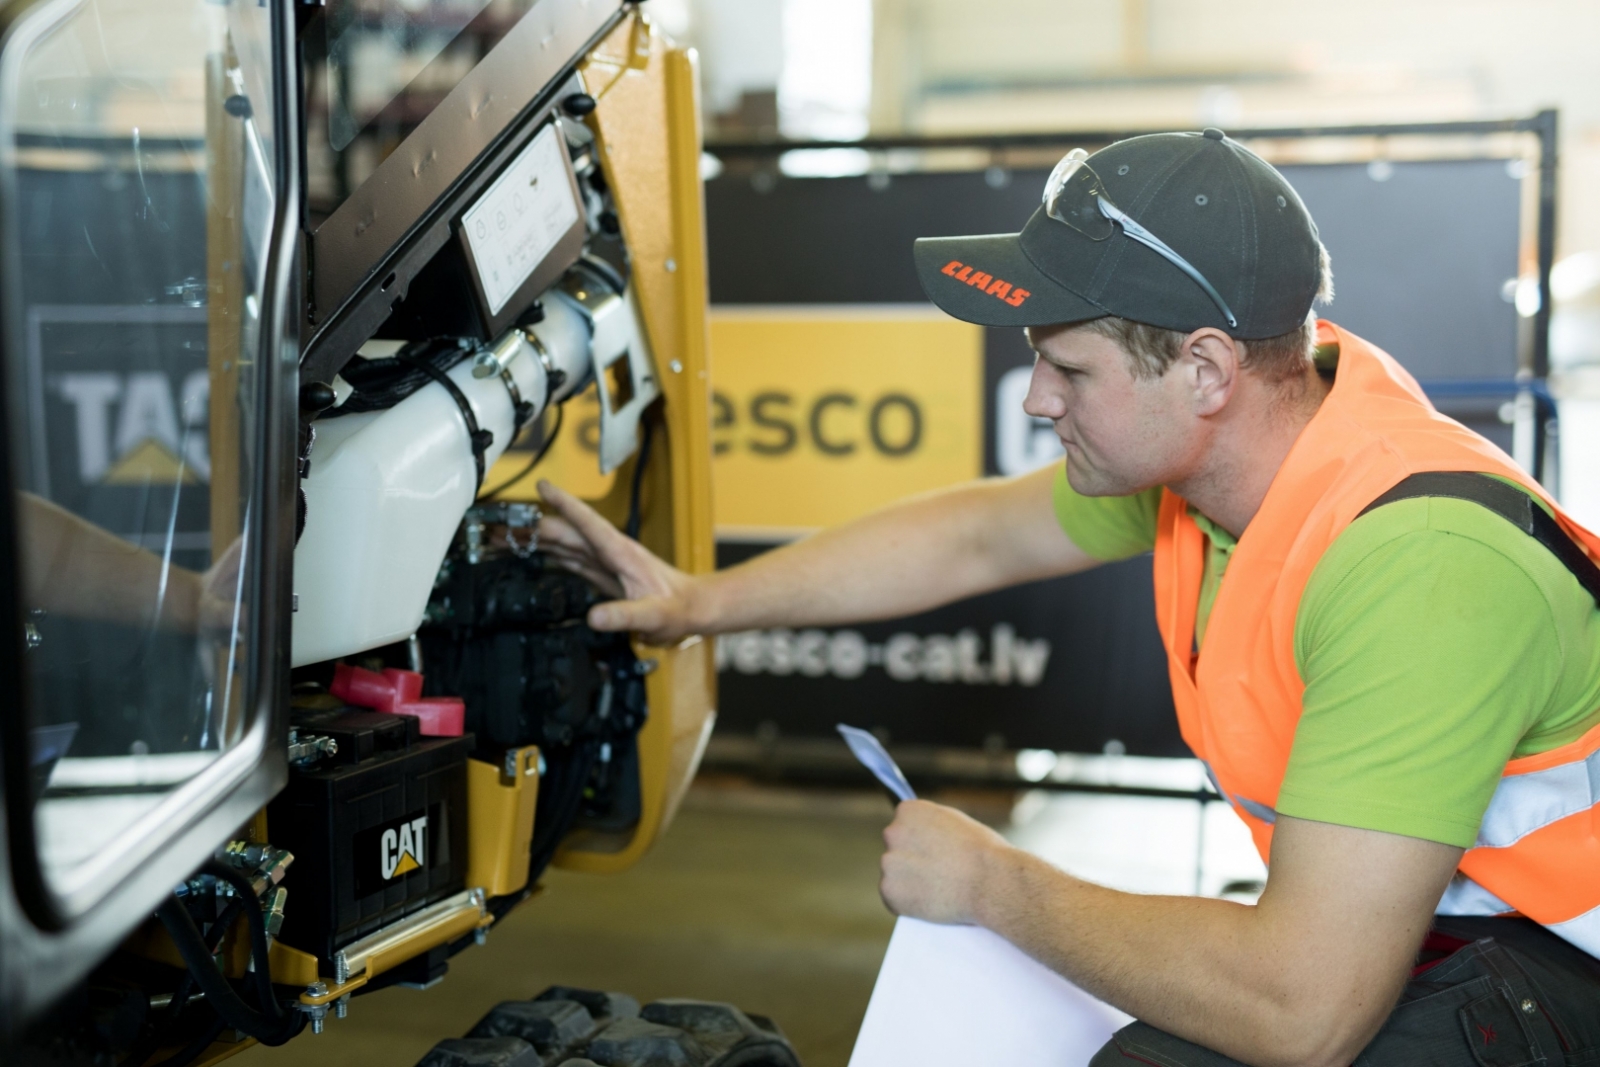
677, 366
480, 936
1529, 1006
317, 989
341, 1007
341, 968
316, 1021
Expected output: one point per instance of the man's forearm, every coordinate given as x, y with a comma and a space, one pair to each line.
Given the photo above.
73, 568
909, 557
1226, 976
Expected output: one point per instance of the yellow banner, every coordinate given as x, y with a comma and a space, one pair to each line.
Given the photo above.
822, 414
819, 414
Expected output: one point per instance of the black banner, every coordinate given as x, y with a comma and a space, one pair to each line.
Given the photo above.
1425, 255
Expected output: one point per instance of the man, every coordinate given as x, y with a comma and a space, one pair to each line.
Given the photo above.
1397, 688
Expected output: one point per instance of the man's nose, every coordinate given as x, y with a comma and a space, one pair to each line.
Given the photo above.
1044, 399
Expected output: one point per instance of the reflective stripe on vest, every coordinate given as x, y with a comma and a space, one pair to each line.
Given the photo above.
1463, 896
1584, 931
1264, 812
1239, 699
1466, 897
1527, 802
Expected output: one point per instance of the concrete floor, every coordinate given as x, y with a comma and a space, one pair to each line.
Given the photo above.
767, 899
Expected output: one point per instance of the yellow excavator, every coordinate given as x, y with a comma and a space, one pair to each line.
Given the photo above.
296, 296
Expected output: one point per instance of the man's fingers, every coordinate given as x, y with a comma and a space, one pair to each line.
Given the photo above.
613, 616
562, 554
603, 580
641, 616
554, 530
584, 519
580, 540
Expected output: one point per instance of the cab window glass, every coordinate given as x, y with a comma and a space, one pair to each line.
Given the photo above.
138, 207
374, 69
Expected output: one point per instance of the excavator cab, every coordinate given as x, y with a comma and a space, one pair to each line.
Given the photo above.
294, 301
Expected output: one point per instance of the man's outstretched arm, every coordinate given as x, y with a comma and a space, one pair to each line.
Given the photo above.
910, 556
1305, 978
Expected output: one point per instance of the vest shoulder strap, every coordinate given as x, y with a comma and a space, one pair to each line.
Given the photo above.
1511, 504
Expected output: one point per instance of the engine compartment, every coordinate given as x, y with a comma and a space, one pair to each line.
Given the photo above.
408, 566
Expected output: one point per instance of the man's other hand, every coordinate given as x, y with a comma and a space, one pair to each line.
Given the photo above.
653, 597
937, 862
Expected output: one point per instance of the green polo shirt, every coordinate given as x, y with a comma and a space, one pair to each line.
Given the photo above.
1436, 641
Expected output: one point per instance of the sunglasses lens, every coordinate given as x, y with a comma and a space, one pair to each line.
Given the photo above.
1072, 196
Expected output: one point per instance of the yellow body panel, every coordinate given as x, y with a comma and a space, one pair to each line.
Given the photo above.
290, 966
647, 131
500, 811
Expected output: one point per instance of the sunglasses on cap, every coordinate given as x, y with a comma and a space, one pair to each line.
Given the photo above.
1075, 196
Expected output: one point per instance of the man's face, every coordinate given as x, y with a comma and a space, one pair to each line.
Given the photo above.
1122, 433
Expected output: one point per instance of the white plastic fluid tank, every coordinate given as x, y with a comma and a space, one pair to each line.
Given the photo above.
384, 496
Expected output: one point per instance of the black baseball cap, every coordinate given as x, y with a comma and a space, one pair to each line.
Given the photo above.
1213, 202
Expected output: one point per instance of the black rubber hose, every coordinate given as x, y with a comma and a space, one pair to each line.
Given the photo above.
478, 439
382, 383
155, 1038
567, 792
634, 517
260, 947
272, 1029
549, 439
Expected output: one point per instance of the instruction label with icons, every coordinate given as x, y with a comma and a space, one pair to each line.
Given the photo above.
519, 220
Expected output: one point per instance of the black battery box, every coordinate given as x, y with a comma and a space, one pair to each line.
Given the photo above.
378, 827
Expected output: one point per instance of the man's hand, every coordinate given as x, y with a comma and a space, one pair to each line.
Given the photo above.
654, 597
1302, 979
216, 591
937, 863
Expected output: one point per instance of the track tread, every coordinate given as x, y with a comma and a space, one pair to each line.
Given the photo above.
569, 1027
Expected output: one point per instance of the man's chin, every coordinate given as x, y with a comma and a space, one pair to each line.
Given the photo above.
1090, 482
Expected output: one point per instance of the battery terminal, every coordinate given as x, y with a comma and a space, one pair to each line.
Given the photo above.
305, 750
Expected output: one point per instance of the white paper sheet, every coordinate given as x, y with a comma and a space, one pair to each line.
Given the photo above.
963, 996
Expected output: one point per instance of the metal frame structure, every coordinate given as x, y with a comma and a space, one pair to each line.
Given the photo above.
1544, 125
44, 947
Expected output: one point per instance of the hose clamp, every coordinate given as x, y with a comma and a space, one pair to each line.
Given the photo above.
554, 376
497, 361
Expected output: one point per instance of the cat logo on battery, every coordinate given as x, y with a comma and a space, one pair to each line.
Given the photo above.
404, 847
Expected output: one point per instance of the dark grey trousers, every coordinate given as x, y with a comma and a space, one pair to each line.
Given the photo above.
1513, 995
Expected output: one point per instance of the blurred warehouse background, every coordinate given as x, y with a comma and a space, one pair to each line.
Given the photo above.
1446, 150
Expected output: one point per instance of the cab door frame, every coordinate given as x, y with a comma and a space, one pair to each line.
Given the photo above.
48, 945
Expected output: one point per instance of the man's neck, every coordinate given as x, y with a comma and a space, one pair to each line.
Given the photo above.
1249, 449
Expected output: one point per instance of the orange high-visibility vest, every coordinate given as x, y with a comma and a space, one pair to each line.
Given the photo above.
1239, 701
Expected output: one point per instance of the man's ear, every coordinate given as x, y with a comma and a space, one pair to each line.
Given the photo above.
1211, 360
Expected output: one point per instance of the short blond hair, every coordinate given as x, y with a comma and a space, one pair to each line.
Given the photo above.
1152, 349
